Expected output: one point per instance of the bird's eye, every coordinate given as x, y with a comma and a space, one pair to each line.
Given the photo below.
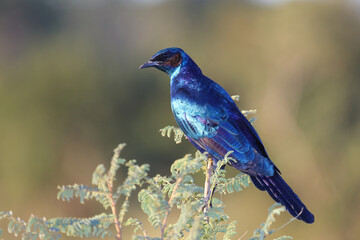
173, 61
168, 59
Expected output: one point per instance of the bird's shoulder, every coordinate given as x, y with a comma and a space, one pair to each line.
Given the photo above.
199, 90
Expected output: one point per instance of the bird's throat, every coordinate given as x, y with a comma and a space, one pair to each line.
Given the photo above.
175, 73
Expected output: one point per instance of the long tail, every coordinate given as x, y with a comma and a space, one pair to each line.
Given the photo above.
281, 192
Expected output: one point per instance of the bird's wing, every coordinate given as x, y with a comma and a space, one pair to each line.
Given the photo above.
240, 121
217, 129
245, 127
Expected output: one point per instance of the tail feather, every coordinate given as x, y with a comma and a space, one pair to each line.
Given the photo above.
281, 192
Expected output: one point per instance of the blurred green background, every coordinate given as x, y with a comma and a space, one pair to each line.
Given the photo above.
70, 91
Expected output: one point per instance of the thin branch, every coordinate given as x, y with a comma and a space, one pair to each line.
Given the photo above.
143, 232
123, 211
177, 183
277, 229
110, 196
243, 235
292, 219
209, 171
114, 211
207, 190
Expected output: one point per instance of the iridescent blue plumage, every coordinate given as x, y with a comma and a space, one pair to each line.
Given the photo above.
212, 122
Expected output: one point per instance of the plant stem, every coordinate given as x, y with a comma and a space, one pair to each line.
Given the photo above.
114, 211
178, 181
207, 191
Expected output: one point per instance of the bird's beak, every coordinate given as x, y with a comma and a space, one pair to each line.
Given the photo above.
149, 64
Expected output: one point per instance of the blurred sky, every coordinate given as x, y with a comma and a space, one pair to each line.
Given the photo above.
70, 91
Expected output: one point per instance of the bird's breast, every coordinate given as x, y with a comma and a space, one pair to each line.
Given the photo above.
191, 118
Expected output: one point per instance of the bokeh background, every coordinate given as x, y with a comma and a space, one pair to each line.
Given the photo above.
70, 91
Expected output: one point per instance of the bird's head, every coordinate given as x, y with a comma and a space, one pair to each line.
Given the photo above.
167, 60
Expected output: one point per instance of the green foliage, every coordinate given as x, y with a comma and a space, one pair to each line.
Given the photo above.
178, 134
96, 226
230, 231
178, 190
199, 217
283, 238
230, 185
265, 230
103, 192
236, 97
35, 228
245, 112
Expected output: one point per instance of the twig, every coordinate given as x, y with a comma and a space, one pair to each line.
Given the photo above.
109, 182
243, 235
277, 229
177, 183
143, 232
114, 211
292, 219
207, 186
123, 211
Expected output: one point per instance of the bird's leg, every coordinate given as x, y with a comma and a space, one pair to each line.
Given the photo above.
208, 192
211, 195
214, 188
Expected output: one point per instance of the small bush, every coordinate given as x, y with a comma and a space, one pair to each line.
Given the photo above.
158, 196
